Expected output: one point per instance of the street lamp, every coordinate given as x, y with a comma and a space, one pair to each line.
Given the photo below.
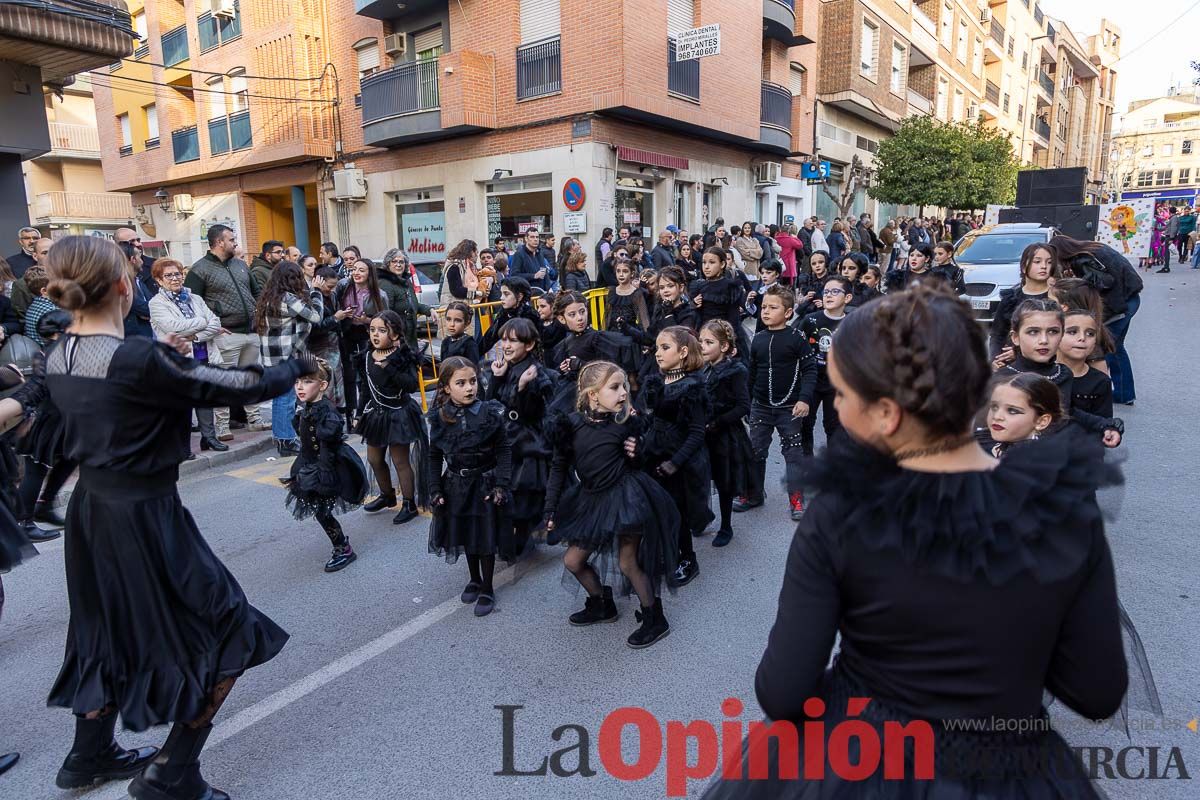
164, 199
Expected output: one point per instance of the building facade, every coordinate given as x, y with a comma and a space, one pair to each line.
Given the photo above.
1156, 152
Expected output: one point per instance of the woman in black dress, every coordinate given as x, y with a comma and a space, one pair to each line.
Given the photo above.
159, 628
962, 586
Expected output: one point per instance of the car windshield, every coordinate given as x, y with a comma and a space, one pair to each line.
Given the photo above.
995, 248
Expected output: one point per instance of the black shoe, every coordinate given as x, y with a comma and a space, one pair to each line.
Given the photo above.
686, 572
36, 534
234, 425
212, 444
486, 604
596, 609
44, 513
385, 500
654, 626
746, 503
723, 537
343, 556
7, 760
175, 774
286, 480
287, 448
408, 511
96, 757
470, 593
1165, 269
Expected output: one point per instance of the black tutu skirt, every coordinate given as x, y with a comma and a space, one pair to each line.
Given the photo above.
731, 459
380, 427
635, 505
690, 490
157, 621
467, 524
967, 765
43, 442
337, 490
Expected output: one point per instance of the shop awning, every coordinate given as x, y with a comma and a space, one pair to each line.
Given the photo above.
650, 158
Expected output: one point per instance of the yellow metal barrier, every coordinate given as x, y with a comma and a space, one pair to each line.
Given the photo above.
597, 306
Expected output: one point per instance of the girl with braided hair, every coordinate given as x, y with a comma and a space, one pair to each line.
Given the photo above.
962, 586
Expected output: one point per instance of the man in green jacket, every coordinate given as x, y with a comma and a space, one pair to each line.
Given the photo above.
261, 266
224, 283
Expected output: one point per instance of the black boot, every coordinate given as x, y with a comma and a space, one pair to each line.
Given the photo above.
212, 444
96, 757
175, 774
385, 500
596, 609
7, 761
408, 511
654, 626
287, 447
44, 512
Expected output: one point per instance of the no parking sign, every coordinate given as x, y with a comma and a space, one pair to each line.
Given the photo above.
573, 194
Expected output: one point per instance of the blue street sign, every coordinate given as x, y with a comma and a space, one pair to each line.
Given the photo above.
815, 172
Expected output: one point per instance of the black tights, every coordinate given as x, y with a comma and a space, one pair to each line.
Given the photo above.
36, 474
482, 569
725, 500
216, 699
576, 560
332, 527
376, 457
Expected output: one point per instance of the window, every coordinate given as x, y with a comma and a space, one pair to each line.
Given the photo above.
1168, 150
539, 20
1151, 123
681, 16
139, 26
216, 96
539, 58
151, 112
428, 44
1025, 61
366, 53
899, 52
1185, 175
1187, 147
126, 133
237, 87
958, 104
977, 59
868, 44
1163, 177
960, 49
1005, 102
796, 79
218, 29
1011, 46
943, 97
1145, 178
947, 24
1020, 111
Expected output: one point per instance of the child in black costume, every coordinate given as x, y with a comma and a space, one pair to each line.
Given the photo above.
818, 327
583, 345
729, 453
551, 330
677, 405
615, 514
467, 434
1021, 408
457, 342
392, 423
1091, 389
720, 295
1039, 264
809, 286
515, 297
327, 477
526, 388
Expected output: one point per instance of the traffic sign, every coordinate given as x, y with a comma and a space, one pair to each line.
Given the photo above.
573, 194
819, 171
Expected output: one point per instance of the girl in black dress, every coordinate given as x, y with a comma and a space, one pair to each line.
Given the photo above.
628, 307
515, 297
327, 476
673, 306
1091, 389
729, 453
582, 345
551, 330
1021, 408
961, 586
525, 387
615, 515
677, 406
159, 628
1039, 265
467, 436
720, 295
810, 285
457, 341
392, 425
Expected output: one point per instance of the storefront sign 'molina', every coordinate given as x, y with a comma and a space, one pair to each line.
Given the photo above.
424, 237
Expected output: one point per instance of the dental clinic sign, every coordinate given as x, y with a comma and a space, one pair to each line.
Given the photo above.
698, 43
423, 236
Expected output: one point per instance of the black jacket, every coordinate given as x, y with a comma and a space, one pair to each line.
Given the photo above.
662, 256
9, 320
1112, 275
524, 264
20, 262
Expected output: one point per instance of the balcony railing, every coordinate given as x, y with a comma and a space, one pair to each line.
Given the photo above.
405, 89
175, 46
152, 143
683, 77
920, 101
185, 144
776, 106
997, 31
1042, 128
74, 138
218, 135
115, 206
1047, 83
539, 68
141, 52
991, 93
125, 150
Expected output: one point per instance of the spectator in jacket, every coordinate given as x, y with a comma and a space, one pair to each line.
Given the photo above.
839, 245
286, 311
805, 236
867, 239
606, 274
566, 248
37, 280
260, 268
396, 281
21, 296
820, 244
529, 263
791, 248
174, 309
663, 254
292, 254
361, 295
331, 256
137, 321
887, 241
575, 277
223, 282
918, 233
23, 259
749, 249
1187, 224
604, 245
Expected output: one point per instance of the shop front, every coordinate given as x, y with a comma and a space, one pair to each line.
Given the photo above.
421, 229
518, 205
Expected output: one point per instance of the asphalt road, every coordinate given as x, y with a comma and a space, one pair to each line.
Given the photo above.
389, 686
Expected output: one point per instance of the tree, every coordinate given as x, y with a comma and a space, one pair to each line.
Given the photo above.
853, 178
950, 165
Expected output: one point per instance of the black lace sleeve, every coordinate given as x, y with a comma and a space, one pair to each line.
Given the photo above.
33, 392
401, 369
180, 382
502, 447
808, 373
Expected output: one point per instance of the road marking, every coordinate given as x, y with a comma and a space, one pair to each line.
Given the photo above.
330, 672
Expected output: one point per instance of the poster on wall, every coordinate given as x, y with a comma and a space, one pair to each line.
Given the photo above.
493, 212
1127, 227
424, 236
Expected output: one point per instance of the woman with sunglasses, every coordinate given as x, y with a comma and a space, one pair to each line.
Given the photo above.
396, 281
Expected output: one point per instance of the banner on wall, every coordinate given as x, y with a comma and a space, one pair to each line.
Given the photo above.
1127, 226
424, 236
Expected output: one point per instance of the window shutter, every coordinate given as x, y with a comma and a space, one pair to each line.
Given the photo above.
539, 20
681, 16
427, 40
796, 81
368, 57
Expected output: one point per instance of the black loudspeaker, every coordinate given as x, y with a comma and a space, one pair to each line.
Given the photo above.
1051, 187
1075, 220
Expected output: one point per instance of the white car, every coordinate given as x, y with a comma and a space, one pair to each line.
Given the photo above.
990, 258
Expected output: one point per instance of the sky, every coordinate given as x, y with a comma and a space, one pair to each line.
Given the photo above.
1158, 49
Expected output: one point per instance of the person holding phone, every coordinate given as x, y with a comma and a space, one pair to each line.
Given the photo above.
361, 296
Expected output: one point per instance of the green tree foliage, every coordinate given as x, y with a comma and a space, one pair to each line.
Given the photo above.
949, 165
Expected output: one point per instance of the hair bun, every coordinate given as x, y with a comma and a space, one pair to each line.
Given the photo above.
66, 294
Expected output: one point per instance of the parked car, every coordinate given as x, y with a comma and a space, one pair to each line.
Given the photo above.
990, 258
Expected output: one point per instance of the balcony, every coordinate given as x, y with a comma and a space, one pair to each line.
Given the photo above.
185, 145
67, 36
919, 103
73, 141
991, 93
775, 121
83, 207
175, 46
989, 109
420, 101
1041, 128
683, 77
1046, 84
229, 133
924, 36
539, 69
151, 143
779, 22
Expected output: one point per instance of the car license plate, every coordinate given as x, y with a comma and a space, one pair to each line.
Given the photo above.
981, 303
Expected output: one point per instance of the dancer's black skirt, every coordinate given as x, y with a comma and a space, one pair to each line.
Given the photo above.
15, 546
336, 489
157, 621
731, 459
43, 442
380, 427
466, 524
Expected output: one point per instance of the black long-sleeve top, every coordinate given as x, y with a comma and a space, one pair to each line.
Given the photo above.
552, 333
678, 414
819, 328
320, 428
723, 299
998, 335
9, 320
492, 335
525, 409
580, 348
593, 445
1060, 375
463, 345
474, 439
946, 612
1092, 393
783, 368
392, 379
728, 386
663, 316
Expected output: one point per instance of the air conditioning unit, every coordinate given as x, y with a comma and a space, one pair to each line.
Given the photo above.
183, 204
767, 173
395, 44
349, 184
223, 8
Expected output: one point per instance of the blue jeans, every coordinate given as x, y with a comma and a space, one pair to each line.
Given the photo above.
283, 408
1196, 258
1119, 366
